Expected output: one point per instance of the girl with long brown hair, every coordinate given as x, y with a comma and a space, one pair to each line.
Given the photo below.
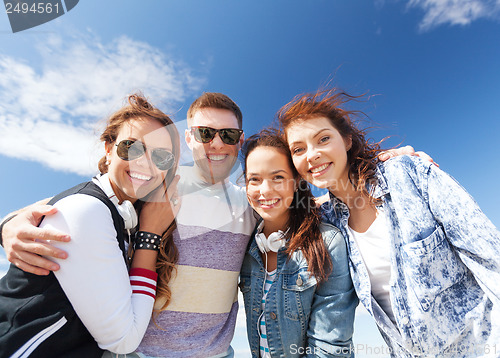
423, 256
299, 298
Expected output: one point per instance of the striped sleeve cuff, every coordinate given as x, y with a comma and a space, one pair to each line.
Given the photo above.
143, 282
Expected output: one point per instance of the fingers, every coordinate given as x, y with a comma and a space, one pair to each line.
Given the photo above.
384, 156
391, 153
172, 188
407, 149
321, 199
30, 249
427, 157
161, 209
24, 242
34, 264
37, 212
176, 205
34, 233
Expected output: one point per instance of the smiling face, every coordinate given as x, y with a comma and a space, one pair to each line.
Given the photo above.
319, 152
134, 179
270, 186
215, 159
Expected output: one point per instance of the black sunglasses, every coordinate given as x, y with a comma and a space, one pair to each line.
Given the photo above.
205, 135
132, 149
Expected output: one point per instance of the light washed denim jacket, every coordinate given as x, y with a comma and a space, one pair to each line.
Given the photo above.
302, 318
445, 258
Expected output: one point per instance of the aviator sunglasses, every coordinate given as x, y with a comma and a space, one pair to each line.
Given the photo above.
132, 149
205, 135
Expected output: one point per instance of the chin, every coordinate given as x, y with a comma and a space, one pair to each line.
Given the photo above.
322, 184
219, 175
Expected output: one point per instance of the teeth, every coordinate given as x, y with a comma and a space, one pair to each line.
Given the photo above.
139, 176
320, 168
216, 157
268, 202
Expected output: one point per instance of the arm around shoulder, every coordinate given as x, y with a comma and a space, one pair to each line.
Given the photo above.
23, 241
95, 277
332, 316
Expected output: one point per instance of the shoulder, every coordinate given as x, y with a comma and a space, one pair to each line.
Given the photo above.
409, 164
337, 248
82, 206
239, 191
332, 236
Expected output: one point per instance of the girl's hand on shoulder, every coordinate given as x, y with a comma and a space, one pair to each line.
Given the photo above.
319, 200
160, 209
406, 150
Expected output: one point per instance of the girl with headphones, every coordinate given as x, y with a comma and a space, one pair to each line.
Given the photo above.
298, 293
97, 302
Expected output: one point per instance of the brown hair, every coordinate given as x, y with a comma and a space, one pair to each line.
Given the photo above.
362, 157
138, 108
215, 100
304, 233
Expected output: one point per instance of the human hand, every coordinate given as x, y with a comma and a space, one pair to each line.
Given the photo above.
406, 150
24, 242
160, 209
319, 200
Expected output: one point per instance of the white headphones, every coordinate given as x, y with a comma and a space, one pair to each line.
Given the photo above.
125, 209
273, 242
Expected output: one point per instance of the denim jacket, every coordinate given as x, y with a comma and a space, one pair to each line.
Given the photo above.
302, 318
445, 264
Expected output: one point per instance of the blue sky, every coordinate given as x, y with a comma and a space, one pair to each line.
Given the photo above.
431, 68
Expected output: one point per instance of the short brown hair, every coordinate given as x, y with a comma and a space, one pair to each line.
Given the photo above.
215, 100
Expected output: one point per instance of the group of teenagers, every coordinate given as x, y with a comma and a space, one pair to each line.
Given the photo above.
145, 259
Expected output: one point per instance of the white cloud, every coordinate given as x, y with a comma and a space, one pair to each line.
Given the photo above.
454, 12
50, 110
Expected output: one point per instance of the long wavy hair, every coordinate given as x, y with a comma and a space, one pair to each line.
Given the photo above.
138, 108
362, 157
304, 219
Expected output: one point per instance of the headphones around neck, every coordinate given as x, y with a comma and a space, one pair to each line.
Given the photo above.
273, 243
125, 209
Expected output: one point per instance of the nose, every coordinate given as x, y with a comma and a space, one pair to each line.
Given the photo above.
144, 161
312, 154
265, 188
217, 142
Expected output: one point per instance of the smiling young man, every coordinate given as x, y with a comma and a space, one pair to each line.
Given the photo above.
213, 229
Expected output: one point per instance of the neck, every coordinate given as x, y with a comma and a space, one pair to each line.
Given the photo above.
208, 178
271, 226
347, 193
120, 194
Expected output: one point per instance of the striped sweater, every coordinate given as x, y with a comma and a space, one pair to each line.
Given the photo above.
213, 229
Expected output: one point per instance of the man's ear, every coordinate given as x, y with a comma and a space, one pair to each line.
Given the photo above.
188, 138
242, 139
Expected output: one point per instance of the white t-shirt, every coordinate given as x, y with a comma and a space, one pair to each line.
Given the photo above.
374, 246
